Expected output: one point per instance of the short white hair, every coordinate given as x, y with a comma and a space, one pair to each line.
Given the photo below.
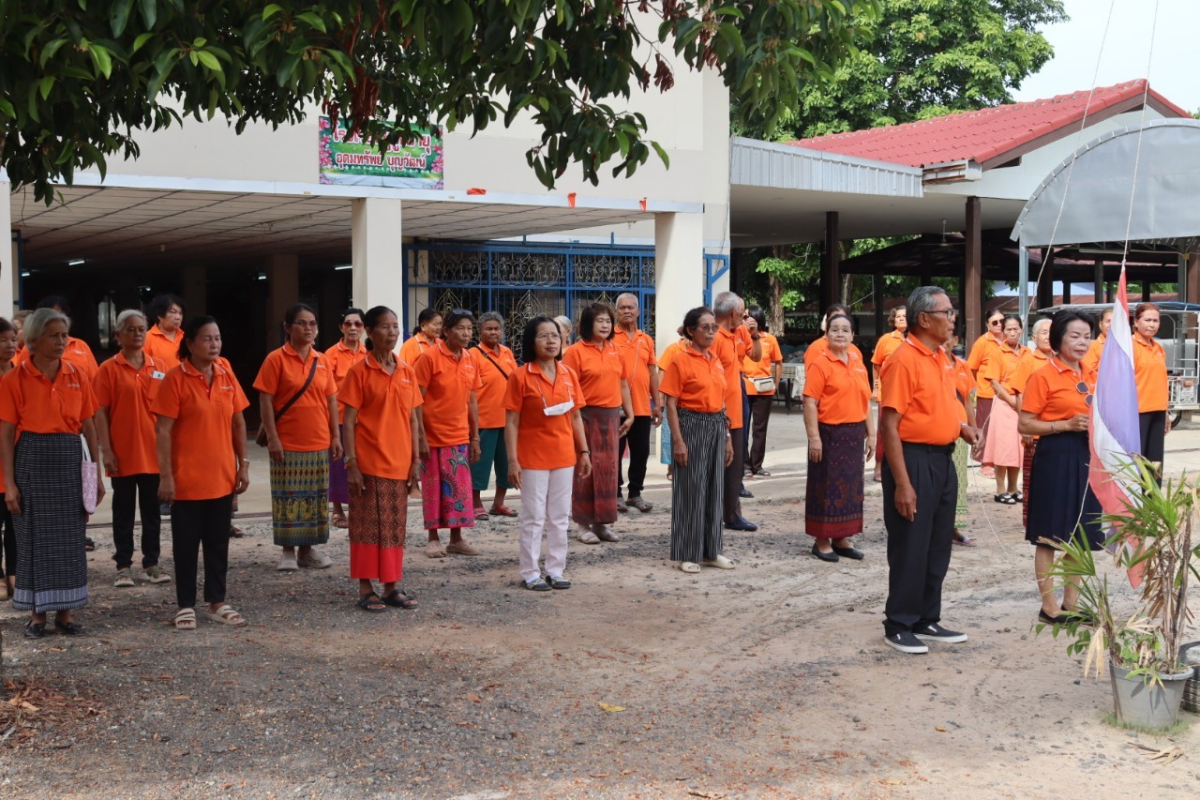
126, 315
37, 322
1037, 326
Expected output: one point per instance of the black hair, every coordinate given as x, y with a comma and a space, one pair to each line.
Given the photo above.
350, 312
189, 332
843, 315
426, 315
529, 337
1058, 326
587, 320
56, 301
757, 314
161, 304
836, 308
370, 320
454, 317
289, 316
988, 317
1011, 317
692, 318
6, 326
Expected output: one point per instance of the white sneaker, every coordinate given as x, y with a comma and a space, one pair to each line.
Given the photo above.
287, 562
315, 560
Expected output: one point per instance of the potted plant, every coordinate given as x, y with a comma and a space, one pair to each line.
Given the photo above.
1154, 538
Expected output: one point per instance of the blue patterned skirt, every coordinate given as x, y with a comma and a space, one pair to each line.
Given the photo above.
300, 499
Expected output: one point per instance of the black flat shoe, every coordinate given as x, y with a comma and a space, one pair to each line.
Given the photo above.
1061, 619
1068, 614
849, 552
741, 524
35, 630
831, 558
68, 628
745, 493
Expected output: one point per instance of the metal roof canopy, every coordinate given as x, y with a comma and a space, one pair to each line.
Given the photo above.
1140, 180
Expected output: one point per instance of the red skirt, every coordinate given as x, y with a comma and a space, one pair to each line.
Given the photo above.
378, 518
594, 498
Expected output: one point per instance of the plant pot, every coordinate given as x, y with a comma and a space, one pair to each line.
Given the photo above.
1147, 705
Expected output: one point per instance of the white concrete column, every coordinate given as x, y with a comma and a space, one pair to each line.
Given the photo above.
195, 290
283, 291
377, 253
9, 277
679, 272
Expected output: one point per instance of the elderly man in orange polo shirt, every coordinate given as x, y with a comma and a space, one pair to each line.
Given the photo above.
922, 419
641, 366
733, 345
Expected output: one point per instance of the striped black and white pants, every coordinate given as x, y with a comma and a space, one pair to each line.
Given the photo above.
698, 490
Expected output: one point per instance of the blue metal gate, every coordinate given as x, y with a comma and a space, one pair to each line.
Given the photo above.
715, 267
523, 280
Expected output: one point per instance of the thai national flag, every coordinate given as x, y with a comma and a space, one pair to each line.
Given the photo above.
1114, 434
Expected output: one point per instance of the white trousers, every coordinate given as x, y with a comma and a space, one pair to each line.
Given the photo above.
545, 505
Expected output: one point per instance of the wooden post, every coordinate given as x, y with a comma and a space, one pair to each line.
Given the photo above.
971, 302
830, 258
877, 298
1045, 287
1098, 279
1146, 287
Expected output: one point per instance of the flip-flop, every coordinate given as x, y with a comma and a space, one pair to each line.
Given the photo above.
371, 603
502, 511
396, 598
226, 615
481, 513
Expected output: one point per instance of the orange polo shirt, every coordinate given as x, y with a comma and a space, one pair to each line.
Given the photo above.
771, 355
698, 381
340, 359
305, 427
725, 347
637, 351
980, 352
164, 350
77, 353
495, 381
1150, 372
886, 345
543, 442
820, 346
1000, 364
413, 346
383, 430
29, 400
964, 381
920, 386
841, 388
672, 350
448, 383
1052, 393
128, 394
1031, 361
203, 461
1091, 361
600, 372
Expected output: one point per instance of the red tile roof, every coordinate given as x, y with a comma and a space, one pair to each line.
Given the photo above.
989, 133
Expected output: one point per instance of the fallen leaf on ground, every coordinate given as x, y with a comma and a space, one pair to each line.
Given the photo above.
939, 729
611, 709
474, 698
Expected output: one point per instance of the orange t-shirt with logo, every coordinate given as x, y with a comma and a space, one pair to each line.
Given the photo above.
76, 353
495, 368
305, 426
981, 351
1052, 393
726, 347
1150, 373
383, 428
448, 382
203, 461
128, 393
340, 359
921, 386
414, 346
841, 388
698, 381
600, 372
764, 367
165, 351
1031, 361
1091, 361
638, 354
544, 442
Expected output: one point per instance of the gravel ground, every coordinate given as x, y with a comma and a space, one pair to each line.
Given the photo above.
770, 680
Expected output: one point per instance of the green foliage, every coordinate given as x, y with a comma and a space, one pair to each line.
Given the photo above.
1160, 524
926, 58
80, 78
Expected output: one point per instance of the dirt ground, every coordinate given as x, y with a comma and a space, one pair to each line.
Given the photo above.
771, 680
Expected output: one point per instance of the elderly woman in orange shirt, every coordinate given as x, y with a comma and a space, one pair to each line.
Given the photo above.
162, 340
1092, 360
596, 359
449, 379
126, 386
546, 444
297, 398
694, 385
201, 441
44, 405
1002, 449
1055, 408
887, 344
496, 365
347, 352
8, 538
384, 443
425, 336
980, 351
1150, 373
1032, 359
840, 430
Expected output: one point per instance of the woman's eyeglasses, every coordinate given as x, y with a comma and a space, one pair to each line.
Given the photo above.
351, 324
1085, 390
996, 323
708, 328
